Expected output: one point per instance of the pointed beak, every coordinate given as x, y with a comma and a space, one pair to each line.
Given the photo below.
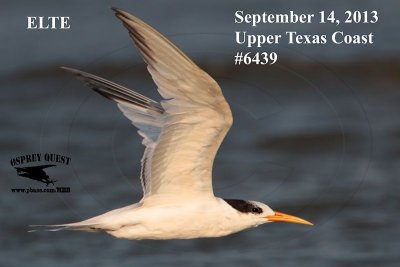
282, 217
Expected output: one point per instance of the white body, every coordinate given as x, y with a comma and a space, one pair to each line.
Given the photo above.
204, 217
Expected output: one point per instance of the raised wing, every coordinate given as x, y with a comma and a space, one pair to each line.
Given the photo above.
183, 133
144, 113
196, 118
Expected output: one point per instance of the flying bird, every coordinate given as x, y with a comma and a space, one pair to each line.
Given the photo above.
36, 173
181, 135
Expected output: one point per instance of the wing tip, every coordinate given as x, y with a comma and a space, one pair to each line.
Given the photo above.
131, 23
71, 70
122, 14
117, 10
78, 73
65, 68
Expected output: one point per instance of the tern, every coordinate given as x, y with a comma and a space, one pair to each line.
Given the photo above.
181, 135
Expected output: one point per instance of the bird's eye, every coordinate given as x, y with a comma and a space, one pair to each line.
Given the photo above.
257, 210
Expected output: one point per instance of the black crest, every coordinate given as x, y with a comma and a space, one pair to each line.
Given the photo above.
243, 206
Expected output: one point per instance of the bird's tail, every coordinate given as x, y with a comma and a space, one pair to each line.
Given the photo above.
78, 226
98, 223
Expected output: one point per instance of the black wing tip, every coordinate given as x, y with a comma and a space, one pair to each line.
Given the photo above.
125, 17
76, 72
116, 9
79, 74
71, 70
106, 89
121, 14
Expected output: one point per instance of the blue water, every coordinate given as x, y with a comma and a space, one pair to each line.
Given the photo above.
315, 135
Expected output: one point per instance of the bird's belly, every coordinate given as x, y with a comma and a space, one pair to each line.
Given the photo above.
174, 226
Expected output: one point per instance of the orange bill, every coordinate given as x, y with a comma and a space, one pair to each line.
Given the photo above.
282, 217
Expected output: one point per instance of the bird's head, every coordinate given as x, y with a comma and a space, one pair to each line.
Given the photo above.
260, 213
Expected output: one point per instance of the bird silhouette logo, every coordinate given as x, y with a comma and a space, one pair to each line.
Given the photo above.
36, 173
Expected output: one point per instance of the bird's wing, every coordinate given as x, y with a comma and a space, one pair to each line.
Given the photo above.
144, 113
196, 118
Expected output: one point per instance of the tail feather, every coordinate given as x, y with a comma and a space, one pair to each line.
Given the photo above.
107, 222
80, 226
